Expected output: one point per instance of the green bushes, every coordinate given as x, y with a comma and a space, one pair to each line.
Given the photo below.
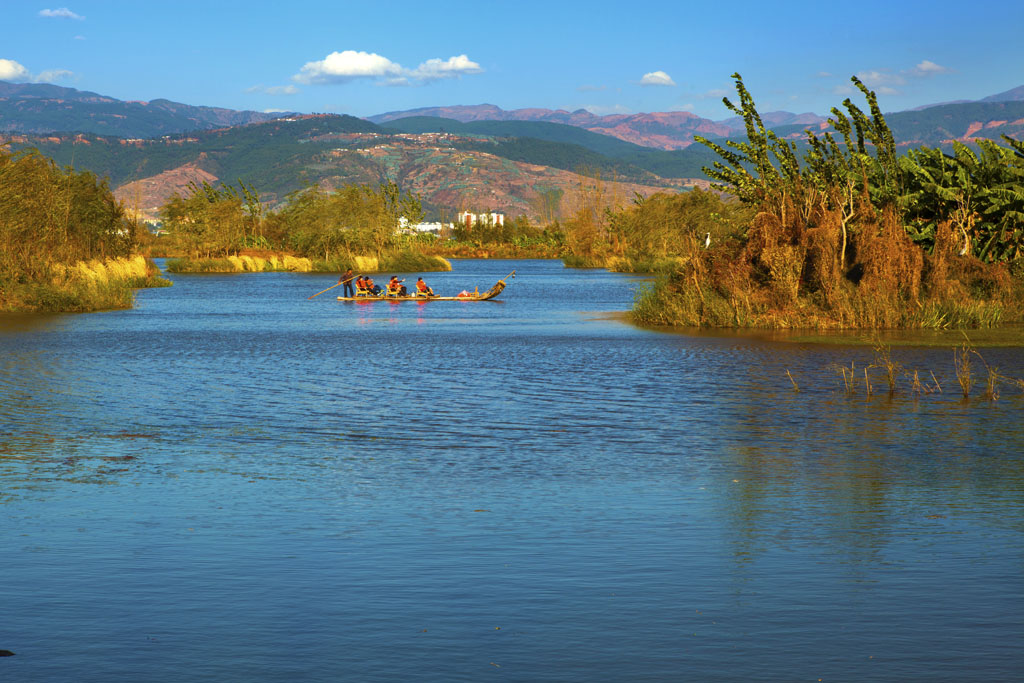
853, 237
50, 215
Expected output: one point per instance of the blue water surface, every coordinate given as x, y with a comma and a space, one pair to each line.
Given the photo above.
233, 482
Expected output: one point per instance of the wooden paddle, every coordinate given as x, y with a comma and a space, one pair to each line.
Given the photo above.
319, 293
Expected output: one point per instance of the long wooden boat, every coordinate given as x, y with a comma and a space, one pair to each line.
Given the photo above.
491, 293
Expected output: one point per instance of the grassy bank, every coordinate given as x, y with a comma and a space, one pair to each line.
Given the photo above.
496, 251
85, 286
778, 278
400, 262
626, 264
240, 264
853, 236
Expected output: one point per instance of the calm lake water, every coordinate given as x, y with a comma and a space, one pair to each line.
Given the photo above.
233, 483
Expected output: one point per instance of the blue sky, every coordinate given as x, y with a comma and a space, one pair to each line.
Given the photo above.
364, 58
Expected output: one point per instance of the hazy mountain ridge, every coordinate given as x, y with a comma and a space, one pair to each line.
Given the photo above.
1012, 95
43, 108
663, 130
675, 130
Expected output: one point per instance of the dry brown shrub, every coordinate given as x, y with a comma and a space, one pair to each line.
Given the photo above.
785, 264
822, 270
765, 232
936, 276
952, 276
891, 261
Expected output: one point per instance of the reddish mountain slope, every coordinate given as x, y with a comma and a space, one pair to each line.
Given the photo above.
662, 130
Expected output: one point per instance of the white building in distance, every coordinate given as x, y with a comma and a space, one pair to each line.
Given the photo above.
468, 219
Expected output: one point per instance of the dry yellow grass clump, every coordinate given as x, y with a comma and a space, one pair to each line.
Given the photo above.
102, 272
297, 264
257, 264
367, 264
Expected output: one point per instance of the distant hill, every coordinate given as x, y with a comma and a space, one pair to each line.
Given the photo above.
675, 130
41, 108
662, 130
493, 159
940, 125
1014, 95
775, 118
450, 171
523, 141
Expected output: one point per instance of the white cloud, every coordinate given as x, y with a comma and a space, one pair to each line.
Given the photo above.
282, 90
657, 78
591, 88
349, 65
274, 89
453, 67
689, 107
927, 68
51, 75
11, 70
342, 67
79, 37
880, 78
62, 13
823, 74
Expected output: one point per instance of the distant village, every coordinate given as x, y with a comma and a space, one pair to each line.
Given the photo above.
466, 219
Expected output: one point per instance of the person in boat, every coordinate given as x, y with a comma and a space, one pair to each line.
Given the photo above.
422, 289
395, 287
346, 279
373, 289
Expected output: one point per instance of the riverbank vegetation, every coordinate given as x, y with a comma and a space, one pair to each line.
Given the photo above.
853, 235
511, 239
65, 241
225, 229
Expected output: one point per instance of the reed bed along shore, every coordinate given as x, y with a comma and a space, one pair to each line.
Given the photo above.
402, 262
92, 285
240, 264
646, 265
496, 251
771, 281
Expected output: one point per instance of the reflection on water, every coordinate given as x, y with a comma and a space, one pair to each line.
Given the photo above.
231, 481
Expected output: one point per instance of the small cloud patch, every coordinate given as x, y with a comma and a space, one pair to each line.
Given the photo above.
11, 70
657, 78
273, 89
62, 13
350, 65
927, 68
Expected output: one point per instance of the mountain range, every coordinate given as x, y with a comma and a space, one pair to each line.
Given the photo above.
662, 130
43, 108
461, 157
